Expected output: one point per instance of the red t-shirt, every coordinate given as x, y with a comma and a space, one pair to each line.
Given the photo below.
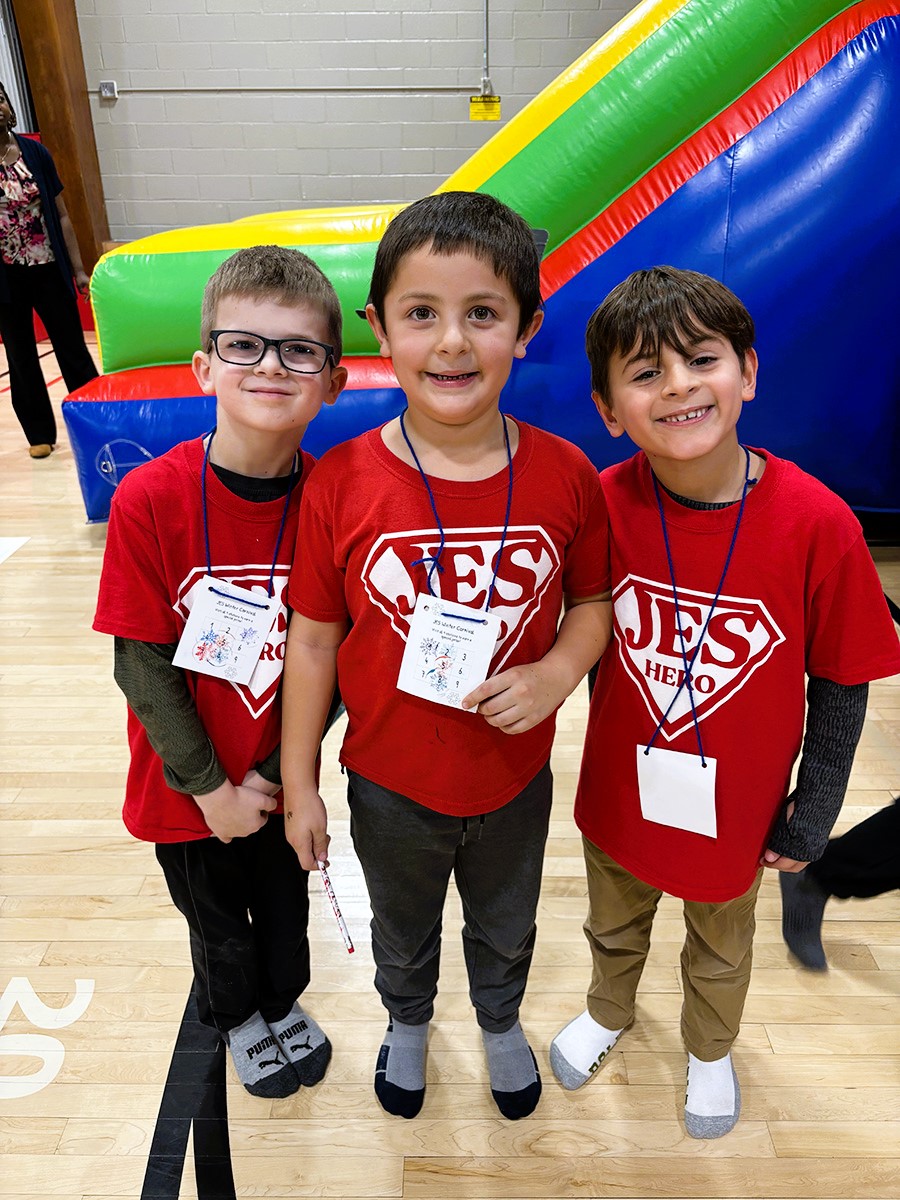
801, 597
365, 518
155, 557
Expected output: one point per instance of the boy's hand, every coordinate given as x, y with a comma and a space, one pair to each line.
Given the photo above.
254, 780
232, 812
520, 698
306, 827
778, 862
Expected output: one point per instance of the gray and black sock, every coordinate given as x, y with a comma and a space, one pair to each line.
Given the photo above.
303, 1044
515, 1081
261, 1066
400, 1070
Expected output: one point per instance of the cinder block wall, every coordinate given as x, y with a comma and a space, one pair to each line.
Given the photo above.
232, 107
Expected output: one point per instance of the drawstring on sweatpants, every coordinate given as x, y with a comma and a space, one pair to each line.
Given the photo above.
465, 828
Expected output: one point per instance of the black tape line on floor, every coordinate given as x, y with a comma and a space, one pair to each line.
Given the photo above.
194, 1094
895, 608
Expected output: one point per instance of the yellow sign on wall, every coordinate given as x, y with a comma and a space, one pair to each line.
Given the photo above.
484, 108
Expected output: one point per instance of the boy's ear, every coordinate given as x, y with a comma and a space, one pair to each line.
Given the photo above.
203, 373
748, 374
528, 333
378, 329
336, 384
607, 416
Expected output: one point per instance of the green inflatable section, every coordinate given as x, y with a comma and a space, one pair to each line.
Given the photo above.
147, 306
695, 65
682, 75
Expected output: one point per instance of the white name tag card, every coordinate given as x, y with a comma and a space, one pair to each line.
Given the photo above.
448, 650
677, 790
226, 631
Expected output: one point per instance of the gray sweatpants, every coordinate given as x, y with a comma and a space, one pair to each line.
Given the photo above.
407, 854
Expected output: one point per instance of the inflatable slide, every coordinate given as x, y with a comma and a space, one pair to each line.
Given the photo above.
754, 141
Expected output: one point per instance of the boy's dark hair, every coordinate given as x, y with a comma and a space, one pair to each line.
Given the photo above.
274, 273
663, 305
451, 222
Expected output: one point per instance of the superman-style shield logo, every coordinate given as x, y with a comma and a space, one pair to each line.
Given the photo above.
527, 565
740, 638
258, 694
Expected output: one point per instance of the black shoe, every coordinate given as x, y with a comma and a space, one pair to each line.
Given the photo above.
802, 907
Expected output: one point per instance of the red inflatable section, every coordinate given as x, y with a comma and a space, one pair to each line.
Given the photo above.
156, 383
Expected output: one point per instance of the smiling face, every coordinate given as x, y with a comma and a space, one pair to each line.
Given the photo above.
451, 328
266, 399
681, 407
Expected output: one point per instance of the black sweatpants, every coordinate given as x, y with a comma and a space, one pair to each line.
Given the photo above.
247, 907
865, 861
44, 290
408, 853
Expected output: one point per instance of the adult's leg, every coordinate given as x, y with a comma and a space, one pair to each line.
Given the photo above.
28, 391
58, 309
863, 862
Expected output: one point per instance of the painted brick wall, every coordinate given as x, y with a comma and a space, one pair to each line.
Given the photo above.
232, 107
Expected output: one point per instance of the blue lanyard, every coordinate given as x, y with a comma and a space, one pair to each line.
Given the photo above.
435, 559
287, 503
689, 665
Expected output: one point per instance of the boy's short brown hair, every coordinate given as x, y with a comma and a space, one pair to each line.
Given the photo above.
472, 222
274, 273
663, 305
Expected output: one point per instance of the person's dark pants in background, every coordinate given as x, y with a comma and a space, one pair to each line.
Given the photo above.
44, 290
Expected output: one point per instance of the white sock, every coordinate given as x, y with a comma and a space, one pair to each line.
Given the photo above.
578, 1050
710, 1087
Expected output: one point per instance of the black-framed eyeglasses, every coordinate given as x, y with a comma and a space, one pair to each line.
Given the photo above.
244, 349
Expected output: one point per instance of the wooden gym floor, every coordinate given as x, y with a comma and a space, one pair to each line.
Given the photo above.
95, 975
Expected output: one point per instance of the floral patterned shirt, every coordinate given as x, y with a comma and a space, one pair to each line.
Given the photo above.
23, 231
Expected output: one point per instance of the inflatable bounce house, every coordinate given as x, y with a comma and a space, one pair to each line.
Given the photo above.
757, 142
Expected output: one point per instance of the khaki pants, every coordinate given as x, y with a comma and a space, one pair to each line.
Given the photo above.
715, 960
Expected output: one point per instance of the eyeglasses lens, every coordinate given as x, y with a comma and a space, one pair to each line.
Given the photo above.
244, 349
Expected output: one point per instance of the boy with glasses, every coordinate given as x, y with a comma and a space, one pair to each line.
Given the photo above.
193, 589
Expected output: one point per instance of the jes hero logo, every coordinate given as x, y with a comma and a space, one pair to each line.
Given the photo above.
740, 637
527, 565
259, 693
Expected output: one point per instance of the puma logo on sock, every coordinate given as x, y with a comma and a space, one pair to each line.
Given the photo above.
266, 1043
302, 1045
292, 1031
271, 1062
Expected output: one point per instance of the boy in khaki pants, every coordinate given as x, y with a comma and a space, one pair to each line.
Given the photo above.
737, 579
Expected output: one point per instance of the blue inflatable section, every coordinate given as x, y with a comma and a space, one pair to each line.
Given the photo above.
144, 429
800, 219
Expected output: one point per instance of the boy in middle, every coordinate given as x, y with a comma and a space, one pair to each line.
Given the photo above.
451, 517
